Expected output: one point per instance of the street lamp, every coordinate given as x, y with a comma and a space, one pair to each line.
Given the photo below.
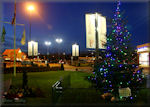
59, 41
30, 8
47, 44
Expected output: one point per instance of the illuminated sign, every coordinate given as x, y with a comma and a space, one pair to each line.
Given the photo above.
32, 48
143, 49
35, 49
75, 50
90, 30
124, 92
29, 49
144, 59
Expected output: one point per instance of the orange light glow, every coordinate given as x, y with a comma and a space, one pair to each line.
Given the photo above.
31, 8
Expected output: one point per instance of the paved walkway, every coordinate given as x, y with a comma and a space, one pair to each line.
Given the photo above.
68, 67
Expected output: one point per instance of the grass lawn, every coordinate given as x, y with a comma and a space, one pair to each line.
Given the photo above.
44, 81
80, 92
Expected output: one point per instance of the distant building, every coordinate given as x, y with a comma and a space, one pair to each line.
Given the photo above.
144, 56
8, 54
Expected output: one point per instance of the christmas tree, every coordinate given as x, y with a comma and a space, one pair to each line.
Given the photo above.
119, 68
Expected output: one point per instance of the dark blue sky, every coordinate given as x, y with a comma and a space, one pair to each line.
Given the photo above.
67, 21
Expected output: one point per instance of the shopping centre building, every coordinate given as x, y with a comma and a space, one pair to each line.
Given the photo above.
144, 56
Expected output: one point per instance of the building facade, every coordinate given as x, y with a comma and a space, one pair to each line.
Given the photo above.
144, 56
8, 54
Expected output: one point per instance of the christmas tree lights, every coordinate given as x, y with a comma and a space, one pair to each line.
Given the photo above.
118, 70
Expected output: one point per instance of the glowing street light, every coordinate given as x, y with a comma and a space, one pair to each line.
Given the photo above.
30, 8
59, 40
47, 43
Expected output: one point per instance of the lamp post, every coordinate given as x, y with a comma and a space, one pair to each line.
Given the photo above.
25, 77
47, 44
30, 9
96, 37
59, 41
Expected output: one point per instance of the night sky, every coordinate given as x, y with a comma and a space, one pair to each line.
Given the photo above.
67, 21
